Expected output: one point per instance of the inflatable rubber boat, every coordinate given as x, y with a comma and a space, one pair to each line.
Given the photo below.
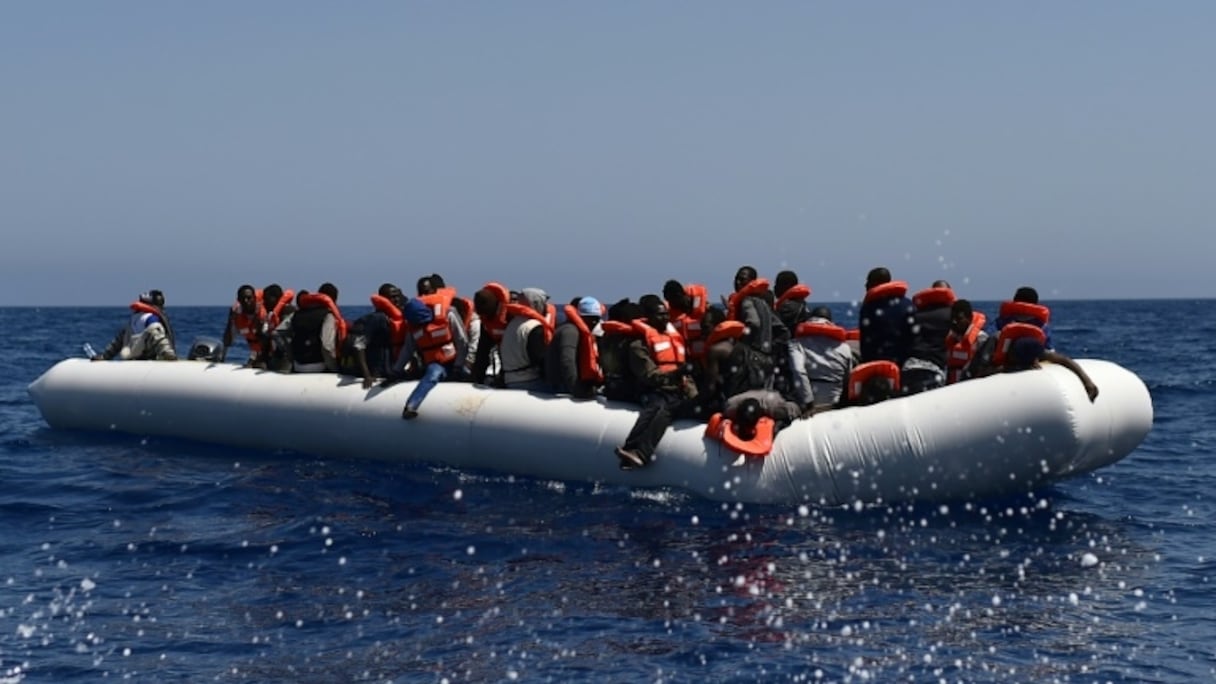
978, 439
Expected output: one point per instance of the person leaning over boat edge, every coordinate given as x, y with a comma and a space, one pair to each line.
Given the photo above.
1023, 346
145, 336
437, 344
657, 362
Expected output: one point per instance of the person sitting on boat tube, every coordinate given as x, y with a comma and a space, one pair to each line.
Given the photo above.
873, 382
657, 362
490, 306
791, 305
618, 333
468, 313
436, 344
146, 335
532, 320
885, 319
317, 331
1025, 308
766, 339
820, 362
572, 360
963, 342
1023, 346
687, 305
254, 315
925, 368
375, 339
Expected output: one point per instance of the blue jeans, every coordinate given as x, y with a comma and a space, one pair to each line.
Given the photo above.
431, 376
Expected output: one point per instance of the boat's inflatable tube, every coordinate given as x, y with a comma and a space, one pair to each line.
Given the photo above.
982, 438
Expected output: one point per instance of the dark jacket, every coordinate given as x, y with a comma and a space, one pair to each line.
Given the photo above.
562, 363
929, 329
886, 329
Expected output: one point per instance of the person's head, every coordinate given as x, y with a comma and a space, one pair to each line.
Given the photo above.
155, 298
247, 298
589, 310
485, 303
329, 290
743, 276
1026, 294
535, 298
746, 416
438, 281
393, 294
426, 285
714, 316
625, 311
655, 311
960, 316
1023, 353
941, 284
300, 297
785, 280
875, 390
271, 294
878, 275
674, 293
821, 312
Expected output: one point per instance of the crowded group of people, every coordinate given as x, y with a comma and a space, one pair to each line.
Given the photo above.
756, 361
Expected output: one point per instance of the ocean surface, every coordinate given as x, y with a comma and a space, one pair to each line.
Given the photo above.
159, 560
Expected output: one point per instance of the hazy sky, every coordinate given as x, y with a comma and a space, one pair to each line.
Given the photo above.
603, 147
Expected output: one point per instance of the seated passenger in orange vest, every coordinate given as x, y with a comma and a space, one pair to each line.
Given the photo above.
254, 315
791, 305
885, 319
524, 341
435, 346
873, 382
925, 368
1025, 308
657, 363
468, 313
618, 333
375, 339
572, 360
490, 305
765, 339
1022, 346
317, 331
146, 336
687, 305
820, 362
963, 342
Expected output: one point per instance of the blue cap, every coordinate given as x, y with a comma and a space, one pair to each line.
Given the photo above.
590, 306
416, 312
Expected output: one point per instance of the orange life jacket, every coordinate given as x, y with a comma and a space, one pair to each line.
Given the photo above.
1012, 332
275, 316
548, 320
1023, 310
396, 321
799, 292
434, 340
588, 351
620, 328
249, 325
316, 299
689, 322
961, 348
891, 290
852, 335
755, 288
726, 330
873, 369
933, 297
722, 429
818, 329
666, 348
495, 325
143, 307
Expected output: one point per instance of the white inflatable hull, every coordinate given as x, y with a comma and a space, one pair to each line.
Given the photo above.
978, 439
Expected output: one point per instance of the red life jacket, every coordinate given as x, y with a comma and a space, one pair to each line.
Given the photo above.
1012, 332
396, 321
852, 335
666, 348
688, 323
830, 331
873, 369
726, 330
588, 351
275, 316
495, 325
548, 320
316, 299
722, 429
143, 307
434, 340
799, 292
755, 288
891, 290
961, 349
1023, 310
620, 328
933, 297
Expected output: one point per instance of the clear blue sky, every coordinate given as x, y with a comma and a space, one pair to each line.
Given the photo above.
603, 147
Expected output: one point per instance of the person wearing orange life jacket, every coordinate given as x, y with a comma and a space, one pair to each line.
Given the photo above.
766, 339
317, 331
572, 360
490, 306
873, 382
146, 336
468, 313
687, 305
374, 340
525, 339
1023, 346
885, 319
791, 305
1025, 308
276, 344
617, 334
965, 339
254, 315
657, 362
750, 421
820, 362
925, 368
436, 345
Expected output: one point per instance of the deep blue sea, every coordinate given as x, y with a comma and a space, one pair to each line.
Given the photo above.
153, 559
